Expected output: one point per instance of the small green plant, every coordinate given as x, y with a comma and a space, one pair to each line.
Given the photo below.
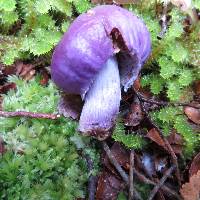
36, 26
170, 118
170, 71
42, 159
129, 140
173, 67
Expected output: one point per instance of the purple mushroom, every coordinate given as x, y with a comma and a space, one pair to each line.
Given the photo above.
102, 51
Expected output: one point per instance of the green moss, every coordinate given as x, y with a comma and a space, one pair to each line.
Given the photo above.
129, 140
49, 167
41, 26
172, 68
170, 118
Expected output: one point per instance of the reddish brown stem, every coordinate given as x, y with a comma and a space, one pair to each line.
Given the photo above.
131, 185
29, 115
164, 103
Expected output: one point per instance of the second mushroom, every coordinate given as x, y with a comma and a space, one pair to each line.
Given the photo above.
102, 52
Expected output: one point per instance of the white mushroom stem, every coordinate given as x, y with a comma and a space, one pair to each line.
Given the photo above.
102, 102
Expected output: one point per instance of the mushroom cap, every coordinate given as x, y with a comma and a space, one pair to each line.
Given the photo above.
91, 40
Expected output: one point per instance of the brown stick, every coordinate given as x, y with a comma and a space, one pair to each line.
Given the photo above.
166, 189
161, 182
92, 182
164, 103
29, 115
171, 151
163, 21
119, 168
131, 186
115, 163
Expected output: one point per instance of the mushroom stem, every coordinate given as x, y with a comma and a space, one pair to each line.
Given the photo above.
102, 102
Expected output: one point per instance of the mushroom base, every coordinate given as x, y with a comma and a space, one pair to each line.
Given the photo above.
102, 102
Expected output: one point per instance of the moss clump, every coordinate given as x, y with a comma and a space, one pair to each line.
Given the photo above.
42, 160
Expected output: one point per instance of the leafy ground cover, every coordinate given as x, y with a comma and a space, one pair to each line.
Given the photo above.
154, 149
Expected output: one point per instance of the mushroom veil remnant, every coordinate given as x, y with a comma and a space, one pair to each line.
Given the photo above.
102, 51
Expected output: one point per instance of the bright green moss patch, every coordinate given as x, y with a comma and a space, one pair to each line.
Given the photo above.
40, 26
42, 161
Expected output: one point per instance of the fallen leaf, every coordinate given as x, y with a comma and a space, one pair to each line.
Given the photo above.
159, 196
9, 70
193, 114
197, 87
70, 105
135, 116
154, 135
120, 154
195, 165
2, 146
6, 87
108, 187
137, 84
45, 77
1, 101
175, 138
191, 190
26, 71
176, 142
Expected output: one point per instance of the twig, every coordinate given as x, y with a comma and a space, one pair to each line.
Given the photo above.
163, 21
171, 151
29, 115
92, 186
164, 103
92, 182
119, 168
161, 182
144, 179
115, 163
131, 186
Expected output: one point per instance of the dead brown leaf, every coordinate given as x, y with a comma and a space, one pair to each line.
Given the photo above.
2, 146
70, 105
197, 87
176, 142
160, 196
45, 77
108, 187
195, 166
120, 154
155, 137
135, 116
193, 114
26, 71
9, 70
1, 101
137, 84
6, 87
191, 190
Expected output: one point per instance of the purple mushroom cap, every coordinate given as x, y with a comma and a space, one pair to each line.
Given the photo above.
105, 35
